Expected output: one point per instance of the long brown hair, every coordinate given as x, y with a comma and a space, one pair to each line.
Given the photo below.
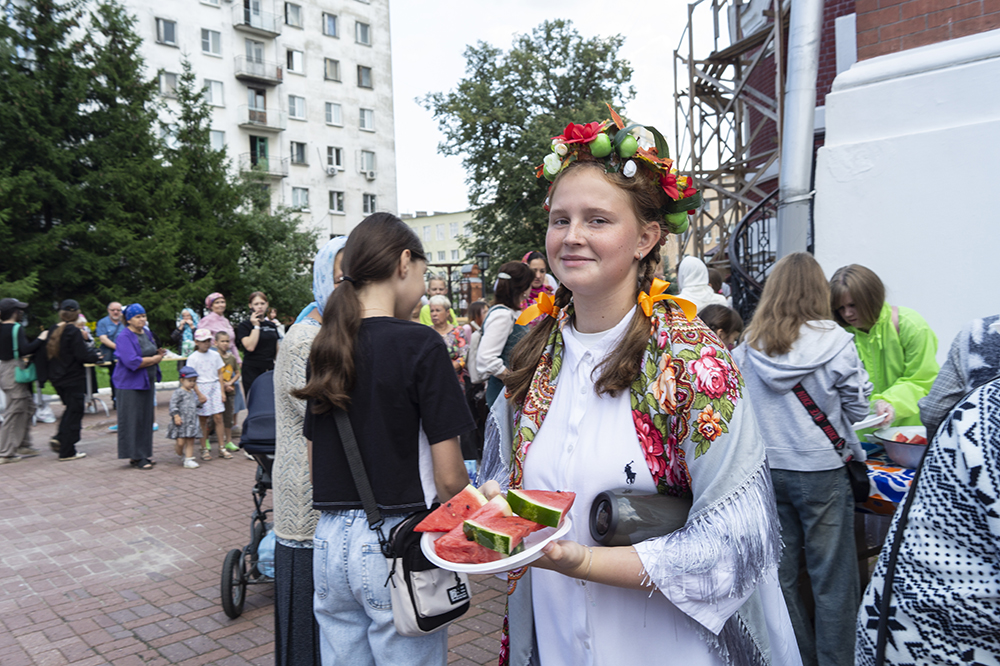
371, 255
67, 317
795, 292
510, 289
620, 369
865, 289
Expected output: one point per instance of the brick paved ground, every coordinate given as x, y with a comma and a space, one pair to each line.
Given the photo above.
104, 564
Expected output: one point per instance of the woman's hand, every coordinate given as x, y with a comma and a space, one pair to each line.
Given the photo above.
883, 407
44, 335
566, 557
490, 489
177, 420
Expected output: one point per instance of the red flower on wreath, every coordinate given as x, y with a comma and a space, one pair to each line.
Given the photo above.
651, 441
709, 423
579, 133
669, 184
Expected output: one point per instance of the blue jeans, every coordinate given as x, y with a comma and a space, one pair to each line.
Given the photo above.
816, 510
352, 603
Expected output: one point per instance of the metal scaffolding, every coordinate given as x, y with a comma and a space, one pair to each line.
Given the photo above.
726, 129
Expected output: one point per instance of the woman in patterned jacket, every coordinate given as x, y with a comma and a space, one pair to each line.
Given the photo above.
620, 386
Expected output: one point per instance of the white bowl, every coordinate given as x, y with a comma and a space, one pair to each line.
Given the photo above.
903, 453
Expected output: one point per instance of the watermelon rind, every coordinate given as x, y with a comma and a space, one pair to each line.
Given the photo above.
531, 507
495, 536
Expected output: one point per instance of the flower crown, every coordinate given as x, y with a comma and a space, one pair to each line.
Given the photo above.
614, 144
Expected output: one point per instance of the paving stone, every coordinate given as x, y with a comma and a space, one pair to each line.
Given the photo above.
128, 573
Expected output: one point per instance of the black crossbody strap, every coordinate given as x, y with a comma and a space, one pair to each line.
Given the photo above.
819, 418
359, 474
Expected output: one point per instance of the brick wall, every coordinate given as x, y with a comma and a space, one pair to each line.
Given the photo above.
828, 46
888, 26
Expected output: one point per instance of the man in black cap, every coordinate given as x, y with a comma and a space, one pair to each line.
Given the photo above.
15, 433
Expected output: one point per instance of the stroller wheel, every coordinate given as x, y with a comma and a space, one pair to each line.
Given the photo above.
234, 584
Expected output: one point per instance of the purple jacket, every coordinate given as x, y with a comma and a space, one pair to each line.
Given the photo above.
127, 374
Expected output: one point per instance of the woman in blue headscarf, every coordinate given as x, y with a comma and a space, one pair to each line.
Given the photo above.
135, 376
296, 636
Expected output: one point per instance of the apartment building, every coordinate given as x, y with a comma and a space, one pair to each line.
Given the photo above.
441, 235
301, 91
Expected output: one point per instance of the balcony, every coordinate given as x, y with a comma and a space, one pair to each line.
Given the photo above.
265, 120
275, 167
258, 71
265, 24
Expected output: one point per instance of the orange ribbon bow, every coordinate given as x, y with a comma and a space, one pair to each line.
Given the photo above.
544, 304
657, 293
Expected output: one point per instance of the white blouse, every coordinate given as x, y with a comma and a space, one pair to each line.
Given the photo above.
587, 444
497, 325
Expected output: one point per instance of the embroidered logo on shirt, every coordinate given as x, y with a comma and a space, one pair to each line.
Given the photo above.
629, 474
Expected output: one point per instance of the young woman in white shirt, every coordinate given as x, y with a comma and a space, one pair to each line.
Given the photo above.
616, 388
500, 333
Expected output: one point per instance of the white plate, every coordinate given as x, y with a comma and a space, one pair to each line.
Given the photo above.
868, 422
533, 544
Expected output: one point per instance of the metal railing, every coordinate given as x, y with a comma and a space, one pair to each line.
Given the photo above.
267, 23
272, 166
266, 119
752, 254
258, 70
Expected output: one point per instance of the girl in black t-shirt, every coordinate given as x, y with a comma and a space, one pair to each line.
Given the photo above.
395, 380
258, 337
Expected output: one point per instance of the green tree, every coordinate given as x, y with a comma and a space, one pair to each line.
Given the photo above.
502, 116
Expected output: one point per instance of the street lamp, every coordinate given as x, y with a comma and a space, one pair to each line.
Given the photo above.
483, 261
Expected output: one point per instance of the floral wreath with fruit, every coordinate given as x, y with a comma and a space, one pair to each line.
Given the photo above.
615, 144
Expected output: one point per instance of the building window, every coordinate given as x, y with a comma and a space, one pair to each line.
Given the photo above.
213, 93
427, 233
217, 139
440, 231
168, 84
295, 61
296, 107
440, 255
335, 157
293, 15
169, 135
331, 69
211, 42
298, 152
330, 25
452, 229
367, 120
214, 3
364, 76
367, 161
300, 198
166, 32
336, 201
368, 203
363, 33
454, 255
333, 114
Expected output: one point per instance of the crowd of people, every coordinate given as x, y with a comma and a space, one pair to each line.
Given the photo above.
583, 373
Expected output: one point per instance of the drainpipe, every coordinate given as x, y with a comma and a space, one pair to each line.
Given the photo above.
797, 134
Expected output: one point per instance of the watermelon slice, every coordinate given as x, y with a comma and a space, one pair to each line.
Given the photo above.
900, 437
500, 533
918, 439
454, 547
450, 515
541, 506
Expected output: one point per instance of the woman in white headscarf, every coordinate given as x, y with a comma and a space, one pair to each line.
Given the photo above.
692, 279
296, 636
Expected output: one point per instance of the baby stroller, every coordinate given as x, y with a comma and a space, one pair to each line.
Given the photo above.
248, 566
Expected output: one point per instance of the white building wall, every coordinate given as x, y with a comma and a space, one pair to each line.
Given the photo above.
221, 15
905, 179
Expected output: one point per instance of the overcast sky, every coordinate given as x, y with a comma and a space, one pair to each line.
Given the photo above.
430, 36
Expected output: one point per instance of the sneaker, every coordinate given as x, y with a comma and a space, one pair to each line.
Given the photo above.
231, 447
76, 457
190, 463
156, 426
113, 428
27, 452
247, 455
55, 445
9, 459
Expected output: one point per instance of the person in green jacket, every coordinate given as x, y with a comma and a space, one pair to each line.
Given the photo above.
436, 286
896, 344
